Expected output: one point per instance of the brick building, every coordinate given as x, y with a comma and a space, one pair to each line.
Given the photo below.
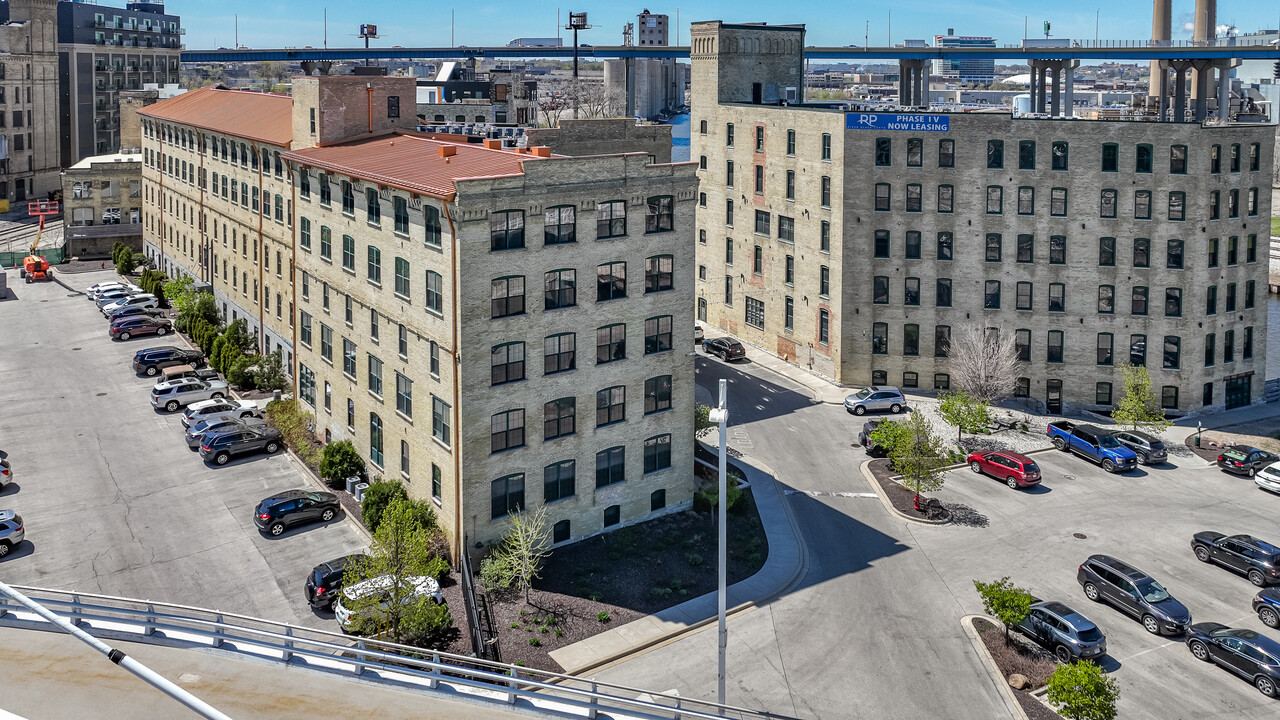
857, 251
29, 160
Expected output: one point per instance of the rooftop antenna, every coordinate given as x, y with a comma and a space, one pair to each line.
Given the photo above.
367, 32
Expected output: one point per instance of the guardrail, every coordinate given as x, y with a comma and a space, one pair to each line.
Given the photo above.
402, 665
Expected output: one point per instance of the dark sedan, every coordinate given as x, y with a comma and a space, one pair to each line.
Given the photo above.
727, 349
138, 325
325, 581
1244, 460
1254, 657
292, 507
1258, 560
1149, 449
133, 311
219, 447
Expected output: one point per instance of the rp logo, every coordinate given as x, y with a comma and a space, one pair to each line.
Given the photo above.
868, 120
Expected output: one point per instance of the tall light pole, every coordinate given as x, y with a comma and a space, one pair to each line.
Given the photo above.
721, 415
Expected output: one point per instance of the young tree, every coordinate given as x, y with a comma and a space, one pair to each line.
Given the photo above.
518, 559
967, 413
339, 461
126, 262
269, 375
887, 435
919, 456
182, 295
702, 420
1137, 406
984, 362
1003, 600
400, 555
1082, 691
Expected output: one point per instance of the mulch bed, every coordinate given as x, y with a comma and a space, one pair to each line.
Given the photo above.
902, 499
627, 574
1204, 453
1024, 658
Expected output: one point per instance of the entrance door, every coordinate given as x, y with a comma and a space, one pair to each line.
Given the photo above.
1238, 391
1053, 397
20, 190
757, 93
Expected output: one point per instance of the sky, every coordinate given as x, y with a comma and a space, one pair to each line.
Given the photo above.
284, 23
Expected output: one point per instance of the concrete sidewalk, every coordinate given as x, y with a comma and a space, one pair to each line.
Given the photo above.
784, 565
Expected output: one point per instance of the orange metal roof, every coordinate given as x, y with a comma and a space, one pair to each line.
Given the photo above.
413, 162
252, 115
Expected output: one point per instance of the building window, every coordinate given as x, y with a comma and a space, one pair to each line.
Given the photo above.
326, 243
1026, 154
1235, 157
349, 358
913, 198
911, 291
994, 247
307, 385
1232, 243
506, 230
657, 453
1169, 397
1231, 297
404, 395
1110, 157
560, 289
304, 322
763, 223
1141, 252
507, 430
791, 184
1058, 202
912, 245
435, 297
1102, 393
995, 199
910, 339
759, 138
824, 237
657, 394
1177, 206
824, 281
728, 133
728, 291
1026, 248
611, 468
942, 292
659, 214
657, 333
611, 281
373, 268
1106, 344
826, 146
915, 152
348, 198
1178, 159
1211, 300
1106, 299
1248, 294
946, 153
879, 338
880, 248
558, 484
946, 198
941, 381
658, 273
1252, 208
1057, 297
1173, 302
1107, 251
1022, 344
1144, 159
506, 363
882, 197
1138, 305
1054, 354
304, 234
1214, 203
1142, 205
945, 246
375, 440
1209, 350
1023, 296
1059, 155
786, 229
375, 376
995, 154
1254, 157
788, 313
612, 515
884, 151
941, 340
326, 342
1107, 204
1246, 350
507, 296
824, 320
611, 343
559, 353
431, 221
440, 420
507, 494
401, 212
1172, 352
1173, 255
559, 225
880, 290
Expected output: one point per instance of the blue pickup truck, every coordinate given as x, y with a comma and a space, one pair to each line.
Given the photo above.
1093, 444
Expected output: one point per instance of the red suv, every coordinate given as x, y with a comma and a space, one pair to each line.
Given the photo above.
1017, 471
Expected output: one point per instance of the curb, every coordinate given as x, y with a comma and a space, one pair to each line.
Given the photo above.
884, 500
1010, 700
801, 566
317, 483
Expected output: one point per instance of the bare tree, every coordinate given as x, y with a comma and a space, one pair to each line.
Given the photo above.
554, 96
984, 362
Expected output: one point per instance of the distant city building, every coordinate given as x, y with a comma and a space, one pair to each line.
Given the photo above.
653, 29
102, 204
457, 93
29, 161
102, 51
657, 84
975, 70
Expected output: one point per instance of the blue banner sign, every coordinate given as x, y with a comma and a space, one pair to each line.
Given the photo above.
893, 121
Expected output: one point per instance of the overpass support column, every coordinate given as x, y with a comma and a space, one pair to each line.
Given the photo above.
1180, 70
1202, 88
1162, 109
922, 84
904, 82
1224, 89
1069, 108
1055, 102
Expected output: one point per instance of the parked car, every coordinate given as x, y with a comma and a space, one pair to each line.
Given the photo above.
1106, 579
131, 311
292, 507
1093, 444
1017, 471
727, 349
219, 447
1254, 657
1268, 477
1245, 460
1070, 635
216, 424
138, 325
205, 409
11, 531
6, 473
875, 397
114, 291
1149, 449
146, 300
864, 437
420, 586
1267, 605
698, 333
1258, 560
108, 297
326, 579
175, 394
152, 360
178, 372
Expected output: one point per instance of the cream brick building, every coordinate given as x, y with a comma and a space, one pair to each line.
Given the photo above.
858, 252
478, 393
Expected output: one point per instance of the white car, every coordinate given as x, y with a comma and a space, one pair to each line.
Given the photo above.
145, 300
118, 290
420, 586
698, 333
196, 412
1268, 478
174, 394
6, 473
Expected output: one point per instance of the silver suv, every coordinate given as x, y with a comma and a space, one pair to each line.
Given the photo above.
177, 393
1066, 632
11, 531
875, 397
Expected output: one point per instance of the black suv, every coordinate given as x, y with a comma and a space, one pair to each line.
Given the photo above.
1254, 657
1135, 592
291, 507
221, 445
325, 581
1258, 560
727, 348
1150, 450
151, 362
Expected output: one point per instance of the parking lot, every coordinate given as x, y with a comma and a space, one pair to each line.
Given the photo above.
1146, 518
113, 500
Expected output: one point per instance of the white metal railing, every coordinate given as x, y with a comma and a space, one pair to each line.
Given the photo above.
145, 621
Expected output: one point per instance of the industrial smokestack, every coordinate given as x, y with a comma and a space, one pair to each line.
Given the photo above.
1161, 34
1206, 24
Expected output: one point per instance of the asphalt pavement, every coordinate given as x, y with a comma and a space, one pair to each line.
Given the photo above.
113, 500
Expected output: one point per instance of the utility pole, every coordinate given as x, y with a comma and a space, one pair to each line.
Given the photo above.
577, 21
237, 18
720, 415
326, 28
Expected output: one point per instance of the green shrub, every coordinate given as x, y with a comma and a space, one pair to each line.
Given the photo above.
437, 568
269, 375
126, 262
339, 461
559, 632
603, 616
115, 252
536, 642
292, 420
240, 372
377, 497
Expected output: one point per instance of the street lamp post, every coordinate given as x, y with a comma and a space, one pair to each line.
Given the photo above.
720, 415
